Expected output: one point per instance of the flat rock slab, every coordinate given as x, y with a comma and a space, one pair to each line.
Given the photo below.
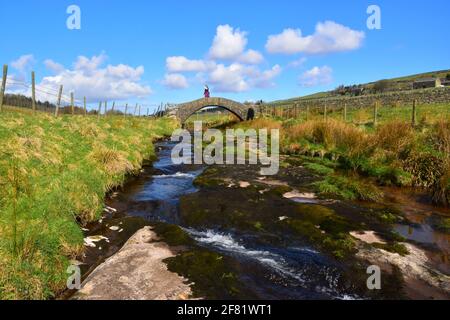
136, 272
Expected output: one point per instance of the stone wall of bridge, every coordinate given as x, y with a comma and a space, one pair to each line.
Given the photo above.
185, 110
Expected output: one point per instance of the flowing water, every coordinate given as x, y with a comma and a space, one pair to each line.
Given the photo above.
268, 271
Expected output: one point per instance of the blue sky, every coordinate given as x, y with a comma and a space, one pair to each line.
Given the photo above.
122, 48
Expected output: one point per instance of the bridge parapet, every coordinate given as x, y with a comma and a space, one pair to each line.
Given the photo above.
185, 110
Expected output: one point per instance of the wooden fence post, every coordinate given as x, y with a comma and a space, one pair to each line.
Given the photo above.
345, 112
72, 103
99, 109
3, 88
113, 106
106, 108
85, 108
325, 112
139, 111
307, 112
58, 105
33, 91
375, 114
414, 113
126, 110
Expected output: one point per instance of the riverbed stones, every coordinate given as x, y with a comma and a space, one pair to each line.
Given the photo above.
244, 184
369, 237
414, 266
136, 272
92, 240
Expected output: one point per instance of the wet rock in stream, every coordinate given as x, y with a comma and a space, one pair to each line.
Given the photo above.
281, 212
136, 272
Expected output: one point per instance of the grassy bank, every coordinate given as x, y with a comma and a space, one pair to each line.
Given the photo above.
392, 153
54, 174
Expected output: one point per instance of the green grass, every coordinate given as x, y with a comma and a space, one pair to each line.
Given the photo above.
391, 153
425, 114
54, 174
348, 188
319, 168
210, 119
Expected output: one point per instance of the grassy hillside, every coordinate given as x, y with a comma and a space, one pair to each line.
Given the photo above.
401, 83
54, 174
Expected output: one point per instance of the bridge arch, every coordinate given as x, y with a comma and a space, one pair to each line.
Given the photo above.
185, 110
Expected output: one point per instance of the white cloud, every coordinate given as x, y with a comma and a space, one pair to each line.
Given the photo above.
229, 66
86, 64
298, 63
229, 79
23, 63
329, 37
265, 78
183, 64
240, 78
175, 81
122, 71
53, 66
251, 57
317, 76
228, 43
88, 78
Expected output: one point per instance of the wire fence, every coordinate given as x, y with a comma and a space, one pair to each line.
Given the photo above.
346, 113
16, 92
416, 106
53, 99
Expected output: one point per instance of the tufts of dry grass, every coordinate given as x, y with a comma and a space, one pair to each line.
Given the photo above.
393, 152
440, 136
112, 161
395, 137
331, 134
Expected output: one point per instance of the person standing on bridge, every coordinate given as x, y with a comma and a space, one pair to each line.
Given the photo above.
206, 93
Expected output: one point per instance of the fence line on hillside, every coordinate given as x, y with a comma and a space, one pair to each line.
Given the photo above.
53, 100
306, 112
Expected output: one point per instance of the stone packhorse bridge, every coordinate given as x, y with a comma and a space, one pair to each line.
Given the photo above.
185, 110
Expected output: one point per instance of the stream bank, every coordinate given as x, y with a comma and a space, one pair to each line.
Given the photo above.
237, 235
